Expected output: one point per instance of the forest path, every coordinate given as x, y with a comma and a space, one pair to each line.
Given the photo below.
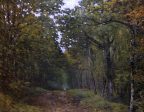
58, 101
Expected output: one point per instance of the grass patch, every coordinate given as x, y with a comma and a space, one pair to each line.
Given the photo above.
97, 103
25, 108
83, 93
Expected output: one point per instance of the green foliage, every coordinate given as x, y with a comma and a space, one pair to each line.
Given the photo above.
29, 48
86, 41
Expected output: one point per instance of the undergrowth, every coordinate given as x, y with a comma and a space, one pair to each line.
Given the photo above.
97, 103
7, 104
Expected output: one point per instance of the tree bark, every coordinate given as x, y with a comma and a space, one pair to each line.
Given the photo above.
109, 71
131, 108
133, 67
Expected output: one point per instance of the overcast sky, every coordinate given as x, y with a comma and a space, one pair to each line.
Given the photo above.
70, 3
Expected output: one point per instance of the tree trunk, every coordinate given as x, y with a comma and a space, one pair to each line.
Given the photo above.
133, 67
131, 108
109, 71
94, 82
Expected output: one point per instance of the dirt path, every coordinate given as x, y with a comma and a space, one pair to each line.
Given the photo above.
58, 102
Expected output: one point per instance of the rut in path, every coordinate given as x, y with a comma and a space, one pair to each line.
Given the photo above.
58, 102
